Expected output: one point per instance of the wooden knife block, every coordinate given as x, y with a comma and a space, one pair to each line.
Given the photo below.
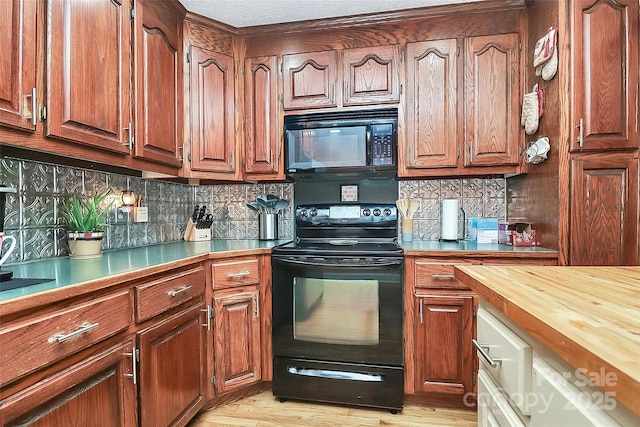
193, 234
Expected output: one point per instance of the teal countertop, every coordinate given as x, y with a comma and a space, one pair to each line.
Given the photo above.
467, 246
65, 272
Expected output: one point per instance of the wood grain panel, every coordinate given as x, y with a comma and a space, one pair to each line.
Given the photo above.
95, 388
432, 110
371, 75
604, 214
263, 147
35, 342
17, 62
309, 80
235, 272
586, 315
154, 297
605, 74
492, 92
88, 86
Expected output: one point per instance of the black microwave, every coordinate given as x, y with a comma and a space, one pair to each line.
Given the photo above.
341, 141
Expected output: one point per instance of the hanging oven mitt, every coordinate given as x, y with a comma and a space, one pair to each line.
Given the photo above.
530, 111
545, 55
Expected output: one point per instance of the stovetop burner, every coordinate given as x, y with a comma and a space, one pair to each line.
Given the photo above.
364, 229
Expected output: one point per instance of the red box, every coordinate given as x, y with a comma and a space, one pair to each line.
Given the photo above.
521, 234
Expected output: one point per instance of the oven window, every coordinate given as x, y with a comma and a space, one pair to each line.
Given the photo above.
336, 311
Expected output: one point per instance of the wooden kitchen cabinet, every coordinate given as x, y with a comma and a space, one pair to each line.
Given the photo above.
98, 390
462, 110
492, 100
172, 350
604, 210
237, 354
172, 368
432, 139
445, 361
87, 97
309, 80
604, 101
367, 76
371, 75
158, 87
263, 149
18, 62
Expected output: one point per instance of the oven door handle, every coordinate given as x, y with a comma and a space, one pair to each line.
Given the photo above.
316, 262
335, 375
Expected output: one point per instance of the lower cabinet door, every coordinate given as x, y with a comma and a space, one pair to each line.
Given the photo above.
172, 368
98, 391
444, 356
236, 340
493, 409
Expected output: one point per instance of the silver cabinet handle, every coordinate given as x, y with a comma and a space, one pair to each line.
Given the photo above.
82, 329
34, 106
470, 152
209, 311
443, 276
134, 369
581, 133
493, 362
257, 307
238, 275
178, 291
421, 311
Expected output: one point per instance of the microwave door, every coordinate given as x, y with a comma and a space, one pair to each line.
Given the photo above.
326, 148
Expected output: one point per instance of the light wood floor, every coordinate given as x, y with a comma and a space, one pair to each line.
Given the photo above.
263, 410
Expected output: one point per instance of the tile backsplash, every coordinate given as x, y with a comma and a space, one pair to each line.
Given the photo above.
32, 214
478, 197
33, 217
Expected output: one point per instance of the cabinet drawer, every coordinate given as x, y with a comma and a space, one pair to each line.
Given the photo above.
560, 400
40, 341
493, 408
236, 272
153, 298
438, 275
512, 371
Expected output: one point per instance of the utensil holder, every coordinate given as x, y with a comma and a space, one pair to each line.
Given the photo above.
268, 226
407, 230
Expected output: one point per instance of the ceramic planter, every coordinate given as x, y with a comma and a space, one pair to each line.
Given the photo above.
85, 245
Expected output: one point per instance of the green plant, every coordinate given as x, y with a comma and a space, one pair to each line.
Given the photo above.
86, 213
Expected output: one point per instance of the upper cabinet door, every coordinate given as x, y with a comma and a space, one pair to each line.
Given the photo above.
18, 103
605, 74
212, 105
432, 123
371, 75
158, 100
88, 72
310, 80
492, 100
262, 147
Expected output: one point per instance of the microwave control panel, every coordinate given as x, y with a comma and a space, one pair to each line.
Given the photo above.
382, 144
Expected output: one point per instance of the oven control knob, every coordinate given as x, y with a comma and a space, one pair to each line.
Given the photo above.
376, 212
303, 213
313, 212
386, 212
366, 212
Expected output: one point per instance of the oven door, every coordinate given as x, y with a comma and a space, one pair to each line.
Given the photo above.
337, 309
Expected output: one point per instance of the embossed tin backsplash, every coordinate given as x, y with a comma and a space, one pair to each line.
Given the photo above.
33, 216
33, 213
479, 197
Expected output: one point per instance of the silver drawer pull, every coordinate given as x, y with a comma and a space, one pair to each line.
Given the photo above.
178, 291
82, 329
238, 275
493, 362
443, 276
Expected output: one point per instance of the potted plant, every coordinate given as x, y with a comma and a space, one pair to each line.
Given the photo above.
86, 218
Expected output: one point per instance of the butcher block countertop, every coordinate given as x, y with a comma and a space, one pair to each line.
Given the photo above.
589, 316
